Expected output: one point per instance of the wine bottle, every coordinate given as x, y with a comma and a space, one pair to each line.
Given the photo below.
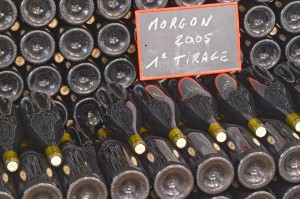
121, 116
113, 9
235, 103
84, 78
239, 192
283, 143
123, 171
120, 71
10, 133
196, 103
254, 165
36, 178
188, 2
79, 174
63, 111
9, 14
76, 12
289, 74
37, 46
213, 170
168, 171
8, 50
196, 194
160, 113
288, 14
11, 85
114, 39
45, 79
257, 19
271, 96
38, 13
43, 125
150, 4
284, 189
76, 44
7, 187
261, 52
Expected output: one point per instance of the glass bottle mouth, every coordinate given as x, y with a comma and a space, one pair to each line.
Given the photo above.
292, 50
259, 21
114, 39
8, 51
292, 193
214, 175
9, 14
120, 71
84, 78
256, 170
11, 85
44, 79
37, 46
189, 2
265, 53
290, 17
87, 188
261, 194
76, 12
42, 190
113, 9
130, 184
289, 164
174, 181
76, 44
4, 195
38, 13
150, 4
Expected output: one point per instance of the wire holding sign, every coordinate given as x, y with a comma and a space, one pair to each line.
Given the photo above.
196, 40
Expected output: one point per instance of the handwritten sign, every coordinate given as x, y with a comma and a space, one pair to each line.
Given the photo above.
188, 41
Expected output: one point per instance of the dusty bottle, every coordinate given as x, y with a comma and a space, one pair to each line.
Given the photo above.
212, 168
38, 13
76, 12
43, 124
289, 74
150, 4
283, 143
11, 134
196, 194
45, 79
11, 85
62, 109
8, 49
123, 171
121, 116
9, 14
284, 189
37, 46
8, 190
114, 39
79, 174
239, 192
84, 78
160, 113
168, 171
271, 96
196, 103
113, 9
76, 44
36, 178
254, 165
235, 103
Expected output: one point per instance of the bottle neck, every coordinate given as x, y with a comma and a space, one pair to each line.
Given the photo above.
65, 140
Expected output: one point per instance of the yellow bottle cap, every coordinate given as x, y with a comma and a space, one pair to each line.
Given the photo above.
137, 144
103, 133
257, 127
177, 138
65, 138
11, 161
293, 120
54, 155
218, 132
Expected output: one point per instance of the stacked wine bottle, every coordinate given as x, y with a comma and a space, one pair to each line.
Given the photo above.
76, 123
